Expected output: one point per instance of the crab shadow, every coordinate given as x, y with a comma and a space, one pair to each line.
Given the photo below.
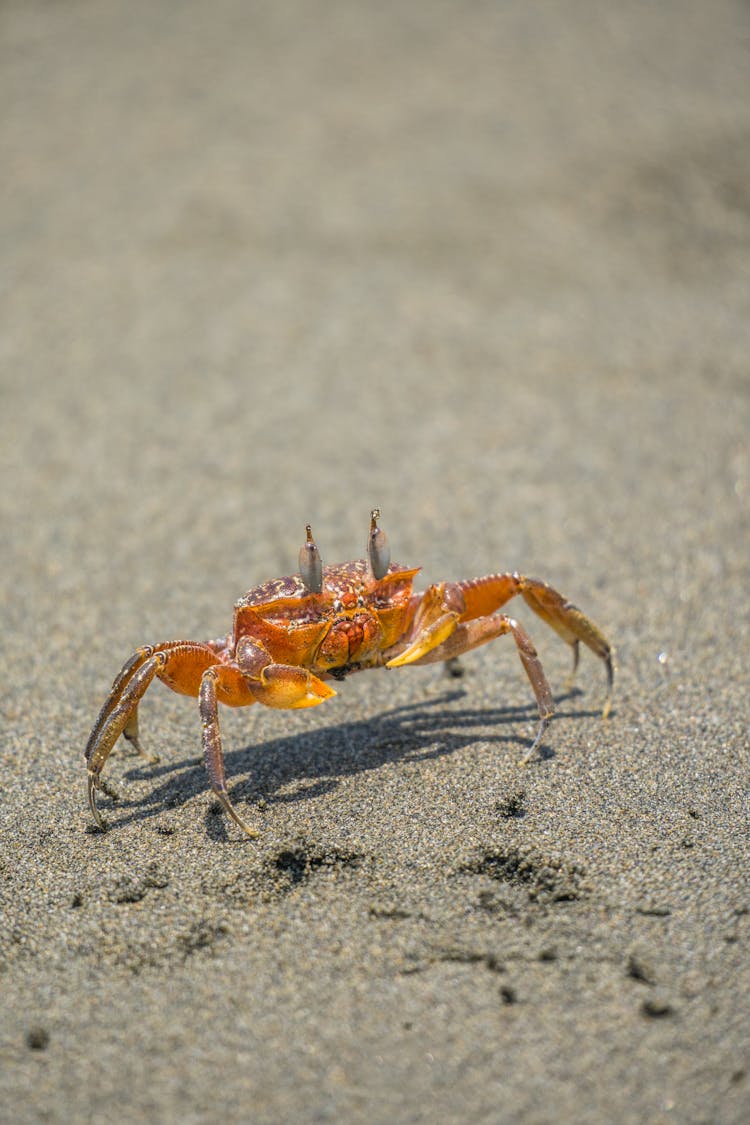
312, 763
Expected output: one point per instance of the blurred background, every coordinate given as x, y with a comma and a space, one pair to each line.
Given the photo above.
484, 265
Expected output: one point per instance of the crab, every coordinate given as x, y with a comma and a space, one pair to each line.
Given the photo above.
292, 636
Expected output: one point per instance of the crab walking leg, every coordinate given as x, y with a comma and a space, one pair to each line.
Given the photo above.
179, 664
123, 677
104, 736
472, 634
484, 596
213, 755
252, 676
193, 649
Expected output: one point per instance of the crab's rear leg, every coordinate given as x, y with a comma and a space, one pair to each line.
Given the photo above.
126, 673
484, 596
466, 635
179, 663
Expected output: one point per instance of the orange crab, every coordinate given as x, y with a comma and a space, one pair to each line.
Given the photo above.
292, 635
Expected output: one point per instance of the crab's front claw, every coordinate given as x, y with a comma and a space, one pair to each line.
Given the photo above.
437, 616
430, 637
286, 686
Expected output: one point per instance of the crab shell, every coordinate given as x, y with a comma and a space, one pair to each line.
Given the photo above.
350, 623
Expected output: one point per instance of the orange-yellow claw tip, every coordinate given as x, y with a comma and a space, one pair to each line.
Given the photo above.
310, 700
433, 636
317, 692
320, 687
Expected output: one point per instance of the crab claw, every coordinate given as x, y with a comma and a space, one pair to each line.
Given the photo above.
317, 692
428, 639
284, 685
436, 619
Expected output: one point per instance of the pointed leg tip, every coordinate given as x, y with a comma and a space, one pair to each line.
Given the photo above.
249, 830
101, 824
576, 646
543, 724
610, 688
609, 664
135, 742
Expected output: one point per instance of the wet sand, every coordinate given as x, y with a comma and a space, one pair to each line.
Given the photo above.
488, 269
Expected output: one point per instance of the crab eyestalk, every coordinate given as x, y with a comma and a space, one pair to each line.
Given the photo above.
378, 551
310, 566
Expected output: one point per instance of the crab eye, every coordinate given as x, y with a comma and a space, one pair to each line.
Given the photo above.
310, 566
378, 551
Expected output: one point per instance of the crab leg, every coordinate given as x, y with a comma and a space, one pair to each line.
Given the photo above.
486, 595
452, 618
252, 676
471, 634
112, 725
129, 668
213, 755
561, 615
179, 663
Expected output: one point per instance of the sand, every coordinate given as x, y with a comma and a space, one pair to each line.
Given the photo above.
488, 267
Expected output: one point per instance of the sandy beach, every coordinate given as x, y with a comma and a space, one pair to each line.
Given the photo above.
487, 267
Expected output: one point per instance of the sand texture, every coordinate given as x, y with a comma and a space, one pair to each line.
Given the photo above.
487, 266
